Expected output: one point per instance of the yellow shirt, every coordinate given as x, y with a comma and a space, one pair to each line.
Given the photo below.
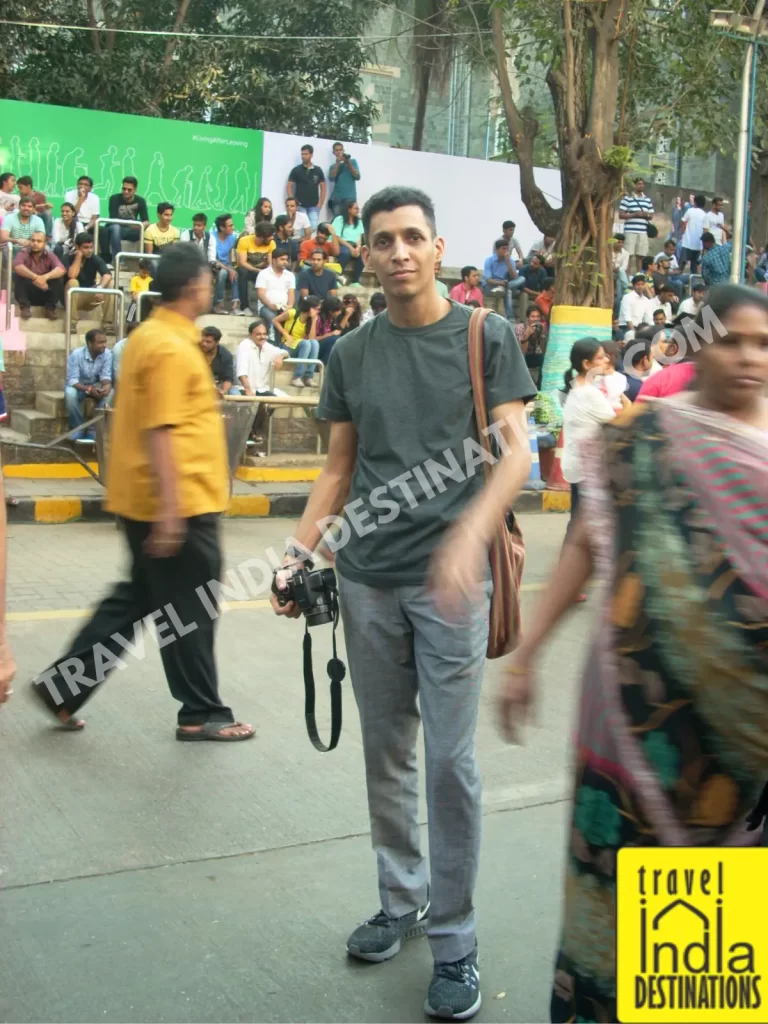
255, 254
296, 327
160, 238
165, 381
140, 284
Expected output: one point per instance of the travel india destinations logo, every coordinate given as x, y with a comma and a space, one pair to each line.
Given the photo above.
692, 935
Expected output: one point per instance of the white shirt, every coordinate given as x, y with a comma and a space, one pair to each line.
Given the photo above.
188, 235
689, 307
666, 306
9, 202
693, 222
715, 222
254, 362
276, 286
91, 206
635, 309
621, 259
300, 225
586, 408
673, 264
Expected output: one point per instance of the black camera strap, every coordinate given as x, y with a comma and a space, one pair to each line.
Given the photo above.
336, 672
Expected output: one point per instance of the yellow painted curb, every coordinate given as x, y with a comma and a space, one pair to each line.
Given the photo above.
277, 475
248, 505
589, 315
57, 510
50, 471
556, 501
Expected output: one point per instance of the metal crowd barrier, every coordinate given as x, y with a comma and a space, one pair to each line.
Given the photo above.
116, 220
140, 297
119, 309
318, 363
7, 247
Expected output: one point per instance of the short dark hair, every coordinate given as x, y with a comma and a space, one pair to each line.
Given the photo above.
500, 243
619, 236
25, 179
26, 199
639, 354
4, 177
647, 261
82, 238
699, 287
212, 332
508, 224
638, 278
130, 180
94, 333
337, 144
145, 264
316, 251
280, 221
222, 219
707, 236
658, 311
280, 250
466, 271
670, 241
292, 199
717, 199
378, 301
668, 288
89, 179
700, 200
178, 266
200, 217
393, 198
259, 321
162, 207
638, 178
307, 146
265, 228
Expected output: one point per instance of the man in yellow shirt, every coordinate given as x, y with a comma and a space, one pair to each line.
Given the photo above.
158, 236
254, 254
168, 481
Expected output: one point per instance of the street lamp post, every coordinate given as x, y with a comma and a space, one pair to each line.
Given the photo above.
745, 28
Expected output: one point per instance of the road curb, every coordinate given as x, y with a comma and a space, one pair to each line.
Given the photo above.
63, 509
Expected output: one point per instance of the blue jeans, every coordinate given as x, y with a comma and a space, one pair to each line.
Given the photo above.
268, 315
221, 283
345, 256
313, 212
116, 233
307, 348
73, 400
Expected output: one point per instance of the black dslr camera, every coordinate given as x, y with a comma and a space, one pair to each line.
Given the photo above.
315, 593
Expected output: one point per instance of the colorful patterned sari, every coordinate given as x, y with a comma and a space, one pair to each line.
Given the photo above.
672, 744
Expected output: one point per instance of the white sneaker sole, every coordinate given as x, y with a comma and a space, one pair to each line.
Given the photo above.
387, 954
445, 1014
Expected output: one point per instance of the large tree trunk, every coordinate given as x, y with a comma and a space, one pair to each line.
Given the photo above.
759, 196
422, 95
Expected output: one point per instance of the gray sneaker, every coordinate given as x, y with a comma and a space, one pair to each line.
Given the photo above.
454, 992
381, 936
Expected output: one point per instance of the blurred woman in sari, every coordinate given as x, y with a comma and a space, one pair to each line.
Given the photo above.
672, 743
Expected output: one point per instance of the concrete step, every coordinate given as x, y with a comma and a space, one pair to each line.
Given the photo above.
10, 436
35, 425
51, 403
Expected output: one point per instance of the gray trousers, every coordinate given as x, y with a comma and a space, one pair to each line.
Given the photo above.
403, 655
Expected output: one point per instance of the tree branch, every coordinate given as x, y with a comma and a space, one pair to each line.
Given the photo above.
170, 45
570, 105
94, 27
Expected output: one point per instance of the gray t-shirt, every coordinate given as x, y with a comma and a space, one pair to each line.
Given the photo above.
409, 394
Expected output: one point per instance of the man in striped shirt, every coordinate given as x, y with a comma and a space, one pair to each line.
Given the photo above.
636, 210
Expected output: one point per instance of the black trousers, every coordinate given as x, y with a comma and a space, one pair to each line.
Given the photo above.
244, 276
163, 585
27, 294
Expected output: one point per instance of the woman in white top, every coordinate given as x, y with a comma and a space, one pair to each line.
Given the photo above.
65, 230
586, 408
348, 228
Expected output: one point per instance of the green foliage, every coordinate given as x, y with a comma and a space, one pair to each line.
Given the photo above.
618, 157
307, 87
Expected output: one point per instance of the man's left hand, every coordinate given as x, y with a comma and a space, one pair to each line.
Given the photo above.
457, 570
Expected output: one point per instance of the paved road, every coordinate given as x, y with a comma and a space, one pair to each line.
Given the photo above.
147, 880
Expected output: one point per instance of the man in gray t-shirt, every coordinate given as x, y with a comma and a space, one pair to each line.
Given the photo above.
405, 464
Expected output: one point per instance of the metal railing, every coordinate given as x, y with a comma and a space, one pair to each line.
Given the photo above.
130, 256
119, 310
140, 297
116, 220
294, 361
7, 248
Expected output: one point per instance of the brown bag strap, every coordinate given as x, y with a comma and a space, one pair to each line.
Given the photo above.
477, 376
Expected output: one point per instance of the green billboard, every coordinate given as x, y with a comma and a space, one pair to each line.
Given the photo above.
200, 168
